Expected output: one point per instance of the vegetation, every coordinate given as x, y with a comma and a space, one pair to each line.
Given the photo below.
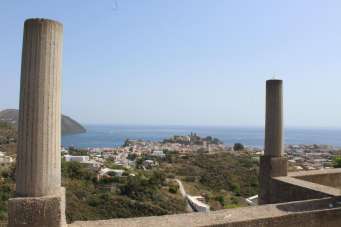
6, 189
7, 133
238, 147
173, 187
145, 194
337, 162
223, 179
77, 152
118, 197
8, 138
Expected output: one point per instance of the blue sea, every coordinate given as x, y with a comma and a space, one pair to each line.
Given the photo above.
115, 135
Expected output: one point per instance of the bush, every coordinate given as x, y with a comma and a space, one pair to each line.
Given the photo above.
220, 199
337, 162
235, 188
173, 189
132, 156
76, 170
238, 147
189, 178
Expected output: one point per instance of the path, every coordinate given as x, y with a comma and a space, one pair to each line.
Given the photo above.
184, 194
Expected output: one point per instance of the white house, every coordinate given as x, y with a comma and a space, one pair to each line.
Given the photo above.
106, 171
69, 158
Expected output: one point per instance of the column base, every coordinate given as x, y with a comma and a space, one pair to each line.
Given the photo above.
46, 211
270, 167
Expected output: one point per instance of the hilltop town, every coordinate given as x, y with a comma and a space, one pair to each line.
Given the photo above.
300, 157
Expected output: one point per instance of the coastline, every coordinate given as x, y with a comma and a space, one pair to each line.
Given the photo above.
115, 135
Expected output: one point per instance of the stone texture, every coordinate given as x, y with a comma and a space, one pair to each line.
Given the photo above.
272, 164
270, 167
46, 211
288, 189
328, 177
38, 155
308, 214
274, 119
39, 198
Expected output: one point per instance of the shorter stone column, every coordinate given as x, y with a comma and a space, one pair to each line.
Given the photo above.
272, 164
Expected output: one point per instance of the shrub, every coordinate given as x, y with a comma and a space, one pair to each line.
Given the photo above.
173, 189
189, 178
238, 147
337, 162
220, 199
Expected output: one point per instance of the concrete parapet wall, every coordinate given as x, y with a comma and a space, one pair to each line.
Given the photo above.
328, 177
287, 189
314, 213
305, 185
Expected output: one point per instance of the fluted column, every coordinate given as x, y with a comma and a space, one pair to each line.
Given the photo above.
38, 160
39, 196
274, 119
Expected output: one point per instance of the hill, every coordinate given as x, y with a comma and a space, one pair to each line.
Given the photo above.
69, 126
224, 179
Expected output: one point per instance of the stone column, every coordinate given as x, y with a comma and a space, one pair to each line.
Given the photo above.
274, 119
272, 164
39, 196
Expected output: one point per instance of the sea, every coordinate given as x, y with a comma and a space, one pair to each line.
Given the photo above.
104, 136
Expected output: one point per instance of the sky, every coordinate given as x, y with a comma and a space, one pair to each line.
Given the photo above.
186, 62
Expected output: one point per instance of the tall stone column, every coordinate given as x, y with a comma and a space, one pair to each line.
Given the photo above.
272, 164
39, 196
274, 119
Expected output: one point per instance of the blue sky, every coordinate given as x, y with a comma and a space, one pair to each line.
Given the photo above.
190, 62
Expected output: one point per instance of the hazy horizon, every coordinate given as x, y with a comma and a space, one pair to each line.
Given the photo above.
210, 126
186, 63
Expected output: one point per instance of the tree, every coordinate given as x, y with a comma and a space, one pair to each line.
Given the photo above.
238, 147
126, 143
76, 170
173, 188
132, 156
220, 199
337, 162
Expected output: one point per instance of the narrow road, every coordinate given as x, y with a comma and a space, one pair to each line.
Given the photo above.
184, 194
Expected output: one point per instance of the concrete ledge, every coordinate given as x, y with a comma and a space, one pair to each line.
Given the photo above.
270, 167
328, 177
47, 211
298, 183
305, 185
314, 213
315, 172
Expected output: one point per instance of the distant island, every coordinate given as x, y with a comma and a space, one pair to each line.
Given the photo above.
193, 139
69, 125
